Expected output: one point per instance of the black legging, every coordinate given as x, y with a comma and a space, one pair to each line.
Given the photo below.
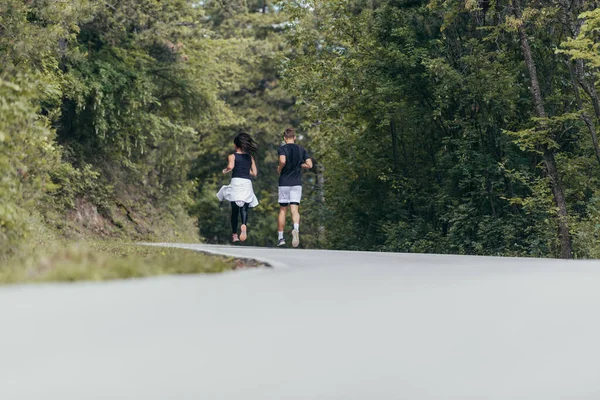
235, 211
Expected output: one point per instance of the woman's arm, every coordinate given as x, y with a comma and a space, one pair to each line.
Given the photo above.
253, 169
230, 164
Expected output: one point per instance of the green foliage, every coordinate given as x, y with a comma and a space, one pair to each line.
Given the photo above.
116, 120
587, 230
102, 116
445, 83
70, 184
27, 156
584, 46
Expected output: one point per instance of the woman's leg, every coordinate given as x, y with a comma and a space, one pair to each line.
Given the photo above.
235, 211
244, 213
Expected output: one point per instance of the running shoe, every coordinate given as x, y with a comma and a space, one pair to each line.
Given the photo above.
281, 242
295, 238
244, 234
235, 238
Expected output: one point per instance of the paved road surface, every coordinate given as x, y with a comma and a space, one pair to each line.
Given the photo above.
321, 325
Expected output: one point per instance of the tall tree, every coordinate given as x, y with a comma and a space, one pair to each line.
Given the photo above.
548, 153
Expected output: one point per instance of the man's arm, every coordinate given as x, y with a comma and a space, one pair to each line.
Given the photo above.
307, 164
282, 161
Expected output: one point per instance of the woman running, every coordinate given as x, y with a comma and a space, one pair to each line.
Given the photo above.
240, 192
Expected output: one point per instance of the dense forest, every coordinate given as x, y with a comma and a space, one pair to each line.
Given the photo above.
456, 126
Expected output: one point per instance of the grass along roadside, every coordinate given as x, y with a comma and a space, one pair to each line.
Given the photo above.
107, 260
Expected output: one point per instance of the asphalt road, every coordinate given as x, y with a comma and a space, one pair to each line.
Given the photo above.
320, 325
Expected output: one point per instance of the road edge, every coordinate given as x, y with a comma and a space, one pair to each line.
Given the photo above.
199, 247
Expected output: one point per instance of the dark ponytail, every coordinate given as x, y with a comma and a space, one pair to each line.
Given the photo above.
245, 143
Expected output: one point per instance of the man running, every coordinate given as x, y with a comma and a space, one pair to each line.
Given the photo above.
292, 159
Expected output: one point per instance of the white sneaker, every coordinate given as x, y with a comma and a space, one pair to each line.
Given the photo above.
295, 238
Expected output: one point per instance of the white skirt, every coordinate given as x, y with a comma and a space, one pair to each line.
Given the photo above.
239, 191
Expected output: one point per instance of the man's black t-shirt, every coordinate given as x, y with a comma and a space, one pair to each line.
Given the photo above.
291, 174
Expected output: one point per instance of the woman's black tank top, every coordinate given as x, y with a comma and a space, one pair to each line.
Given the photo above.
243, 163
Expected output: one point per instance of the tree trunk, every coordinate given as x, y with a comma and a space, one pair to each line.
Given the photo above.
589, 88
548, 154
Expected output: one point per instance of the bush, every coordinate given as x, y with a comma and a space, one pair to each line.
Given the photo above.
27, 154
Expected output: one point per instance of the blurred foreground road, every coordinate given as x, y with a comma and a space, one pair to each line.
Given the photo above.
320, 325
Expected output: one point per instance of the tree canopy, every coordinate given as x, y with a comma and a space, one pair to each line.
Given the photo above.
447, 126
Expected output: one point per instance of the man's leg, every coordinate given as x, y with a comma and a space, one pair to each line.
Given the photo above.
296, 219
281, 218
281, 224
295, 198
284, 202
295, 215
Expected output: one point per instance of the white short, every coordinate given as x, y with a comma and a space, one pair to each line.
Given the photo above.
290, 194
